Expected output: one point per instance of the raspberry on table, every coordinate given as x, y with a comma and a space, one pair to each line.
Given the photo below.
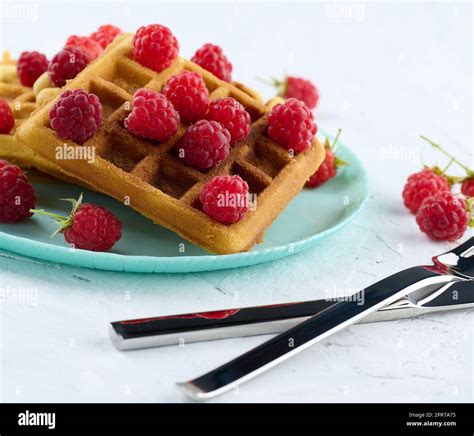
231, 115
212, 58
443, 216
7, 120
421, 185
204, 144
90, 47
30, 65
155, 47
467, 187
326, 171
17, 196
189, 95
76, 115
66, 65
225, 199
153, 116
291, 125
88, 226
303, 90
105, 34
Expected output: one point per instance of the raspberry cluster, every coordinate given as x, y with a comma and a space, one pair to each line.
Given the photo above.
440, 214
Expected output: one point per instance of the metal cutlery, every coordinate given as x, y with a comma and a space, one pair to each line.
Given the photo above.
407, 289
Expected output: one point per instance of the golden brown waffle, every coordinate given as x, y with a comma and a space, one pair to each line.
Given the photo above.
22, 102
149, 177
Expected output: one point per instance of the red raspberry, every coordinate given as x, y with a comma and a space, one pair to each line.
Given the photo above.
66, 65
76, 115
93, 228
155, 47
17, 196
204, 144
291, 124
443, 216
467, 187
152, 117
421, 185
189, 95
88, 226
30, 65
105, 34
231, 115
326, 171
211, 58
225, 199
7, 121
303, 90
90, 47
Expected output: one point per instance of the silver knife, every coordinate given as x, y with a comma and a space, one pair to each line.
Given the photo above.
185, 328
422, 284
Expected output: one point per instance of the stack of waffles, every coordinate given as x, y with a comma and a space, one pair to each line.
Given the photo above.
150, 178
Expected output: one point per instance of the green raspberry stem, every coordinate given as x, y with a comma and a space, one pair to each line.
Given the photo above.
453, 159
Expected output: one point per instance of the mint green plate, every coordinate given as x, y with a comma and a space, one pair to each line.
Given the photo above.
147, 248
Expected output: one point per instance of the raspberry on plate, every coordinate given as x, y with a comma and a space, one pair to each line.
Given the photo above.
76, 115
88, 227
66, 65
189, 95
328, 169
225, 199
105, 34
420, 185
204, 144
153, 116
155, 47
7, 121
30, 65
90, 47
231, 115
212, 58
291, 124
443, 216
17, 196
467, 187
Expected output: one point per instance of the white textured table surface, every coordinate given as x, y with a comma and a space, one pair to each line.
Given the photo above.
387, 72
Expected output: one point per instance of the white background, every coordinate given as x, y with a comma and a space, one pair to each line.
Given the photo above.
387, 72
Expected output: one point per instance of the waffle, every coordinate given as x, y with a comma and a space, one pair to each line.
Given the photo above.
148, 176
22, 102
